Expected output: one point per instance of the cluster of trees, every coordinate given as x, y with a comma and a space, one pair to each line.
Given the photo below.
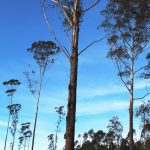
113, 139
127, 24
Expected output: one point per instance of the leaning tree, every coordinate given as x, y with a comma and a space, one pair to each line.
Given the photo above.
128, 23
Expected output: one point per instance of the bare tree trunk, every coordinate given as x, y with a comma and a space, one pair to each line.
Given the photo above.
24, 144
14, 139
131, 124
71, 109
11, 101
28, 143
35, 121
131, 100
37, 106
7, 133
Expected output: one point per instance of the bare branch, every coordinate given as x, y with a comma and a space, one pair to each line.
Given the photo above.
121, 77
96, 41
64, 6
67, 35
52, 32
90, 7
128, 49
67, 51
142, 50
125, 41
63, 10
125, 64
140, 69
142, 96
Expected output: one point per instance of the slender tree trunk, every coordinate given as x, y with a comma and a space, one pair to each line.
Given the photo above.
55, 146
7, 133
131, 101
14, 139
35, 122
37, 106
11, 101
25, 143
144, 129
71, 109
131, 124
28, 143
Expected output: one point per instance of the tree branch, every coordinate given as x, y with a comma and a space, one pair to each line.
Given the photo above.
125, 64
96, 41
125, 40
142, 50
90, 7
64, 6
122, 78
140, 69
67, 51
67, 35
52, 32
63, 10
142, 97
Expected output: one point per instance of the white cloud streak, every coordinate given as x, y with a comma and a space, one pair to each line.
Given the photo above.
99, 107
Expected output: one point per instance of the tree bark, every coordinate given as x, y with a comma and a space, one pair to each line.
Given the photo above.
37, 106
13, 143
35, 122
131, 99
131, 124
7, 133
11, 101
71, 108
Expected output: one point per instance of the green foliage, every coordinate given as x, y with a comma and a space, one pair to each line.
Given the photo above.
115, 129
25, 135
53, 139
14, 110
42, 51
128, 23
11, 86
143, 112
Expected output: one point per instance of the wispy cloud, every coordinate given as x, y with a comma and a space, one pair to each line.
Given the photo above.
93, 108
3, 123
84, 107
91, 91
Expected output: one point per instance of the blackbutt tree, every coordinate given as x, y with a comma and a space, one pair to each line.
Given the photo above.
43, 53
128, 25
11, 86
72, 12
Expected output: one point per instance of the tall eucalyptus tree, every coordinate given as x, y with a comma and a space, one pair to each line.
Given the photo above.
43, 53
128, 23
73, 12
11, 86
14, 112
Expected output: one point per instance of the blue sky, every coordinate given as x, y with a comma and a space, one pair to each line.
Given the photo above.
100, 94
